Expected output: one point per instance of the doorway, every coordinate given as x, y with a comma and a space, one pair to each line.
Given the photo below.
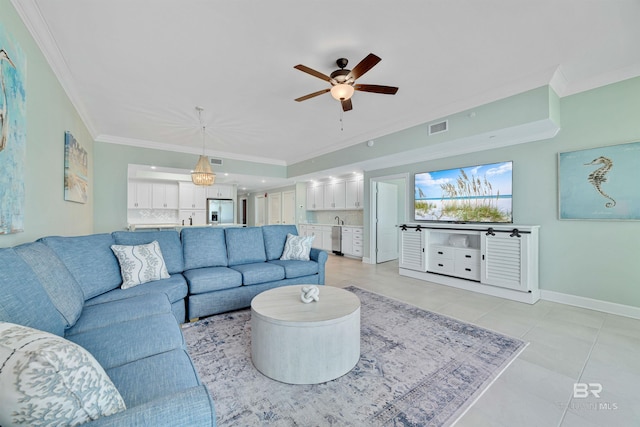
388, 210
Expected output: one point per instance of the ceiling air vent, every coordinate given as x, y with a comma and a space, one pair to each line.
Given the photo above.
215, 161
439, 127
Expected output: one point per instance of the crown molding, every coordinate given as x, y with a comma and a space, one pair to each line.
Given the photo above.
110, 139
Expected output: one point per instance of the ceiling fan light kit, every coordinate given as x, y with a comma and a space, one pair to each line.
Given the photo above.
342, 91
343, 81
202, 174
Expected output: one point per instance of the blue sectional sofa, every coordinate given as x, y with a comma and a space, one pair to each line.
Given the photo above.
70, 287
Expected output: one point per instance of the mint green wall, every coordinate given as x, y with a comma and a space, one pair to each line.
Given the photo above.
112, 161
592, 259
49, 114
538, 104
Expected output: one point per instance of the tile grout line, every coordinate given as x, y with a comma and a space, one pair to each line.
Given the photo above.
584, 366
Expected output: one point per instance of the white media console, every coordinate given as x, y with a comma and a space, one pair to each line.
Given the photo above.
495, 259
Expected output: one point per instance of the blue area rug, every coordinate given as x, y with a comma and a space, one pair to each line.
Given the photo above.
416, 368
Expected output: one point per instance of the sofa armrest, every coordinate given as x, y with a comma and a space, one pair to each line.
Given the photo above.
319, 256
190, 407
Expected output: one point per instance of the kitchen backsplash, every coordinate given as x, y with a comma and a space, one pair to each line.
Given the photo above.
152, 216
329, 217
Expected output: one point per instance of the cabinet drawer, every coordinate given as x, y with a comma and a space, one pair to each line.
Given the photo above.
441, 265
357, 230
467, 256
441, 252
357, 237
357, 250
357, 243
467, 271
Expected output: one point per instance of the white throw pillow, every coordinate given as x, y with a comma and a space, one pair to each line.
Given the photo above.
47, 380
297, 247
140, 264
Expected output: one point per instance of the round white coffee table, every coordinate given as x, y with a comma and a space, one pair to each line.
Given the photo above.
298, 343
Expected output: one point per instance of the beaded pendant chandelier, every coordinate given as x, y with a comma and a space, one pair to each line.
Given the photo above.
202, 173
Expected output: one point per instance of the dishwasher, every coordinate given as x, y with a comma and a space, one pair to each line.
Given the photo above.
336, 239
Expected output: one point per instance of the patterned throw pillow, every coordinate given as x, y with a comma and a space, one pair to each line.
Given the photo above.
46, 380
140, 264
297, 247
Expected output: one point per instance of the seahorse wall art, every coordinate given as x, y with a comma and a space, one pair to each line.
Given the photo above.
598, 177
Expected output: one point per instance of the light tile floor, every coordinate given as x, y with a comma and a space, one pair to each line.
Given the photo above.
567, 345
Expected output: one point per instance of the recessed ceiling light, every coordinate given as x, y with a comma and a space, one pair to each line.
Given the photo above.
226, 174
153, 167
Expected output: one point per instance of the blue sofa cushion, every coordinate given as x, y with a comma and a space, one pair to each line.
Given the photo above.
169, 241
120, 343
295, 268
204, 247
201, 280
109, 312
159, 375
63, 290
23, 299
245, 245
275, 237
261, 272
175, 288
90, 260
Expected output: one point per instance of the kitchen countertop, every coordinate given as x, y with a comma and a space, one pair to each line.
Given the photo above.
134, 227
331, 225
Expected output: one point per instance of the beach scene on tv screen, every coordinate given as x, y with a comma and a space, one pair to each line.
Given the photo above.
469, 194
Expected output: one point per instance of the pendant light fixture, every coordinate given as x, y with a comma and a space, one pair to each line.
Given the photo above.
202, 174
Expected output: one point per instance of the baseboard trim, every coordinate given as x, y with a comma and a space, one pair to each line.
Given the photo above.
592, 304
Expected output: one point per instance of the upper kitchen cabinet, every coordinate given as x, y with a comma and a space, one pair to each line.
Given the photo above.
165, 196
192, 196
221, 191
139, 195
315, 197
355, 193
334, 195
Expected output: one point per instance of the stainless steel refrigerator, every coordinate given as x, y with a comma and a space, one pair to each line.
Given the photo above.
220, 211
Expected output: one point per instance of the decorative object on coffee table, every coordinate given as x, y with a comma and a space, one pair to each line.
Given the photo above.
309, 294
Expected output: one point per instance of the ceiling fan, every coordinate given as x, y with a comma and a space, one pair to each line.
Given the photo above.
343, 81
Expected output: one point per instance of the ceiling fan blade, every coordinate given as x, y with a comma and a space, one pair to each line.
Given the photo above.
363, 66
346, 105
311, 95
387, 90
313, 72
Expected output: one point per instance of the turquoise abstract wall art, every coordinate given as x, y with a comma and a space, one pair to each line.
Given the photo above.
600, 183
13, 134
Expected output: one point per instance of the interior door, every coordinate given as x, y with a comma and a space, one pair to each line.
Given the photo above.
261, 210
275, 208
289, 207
387, 221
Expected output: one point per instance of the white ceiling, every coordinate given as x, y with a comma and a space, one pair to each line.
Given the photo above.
136, 69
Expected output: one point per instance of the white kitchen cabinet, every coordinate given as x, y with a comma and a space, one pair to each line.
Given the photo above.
165, 196
139, 195
220, 191
354, 193
352, 241
322, 235
192, 196
334, 195
315, 197
326, 239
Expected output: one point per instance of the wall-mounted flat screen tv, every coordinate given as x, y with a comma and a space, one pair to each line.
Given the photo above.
470, 194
